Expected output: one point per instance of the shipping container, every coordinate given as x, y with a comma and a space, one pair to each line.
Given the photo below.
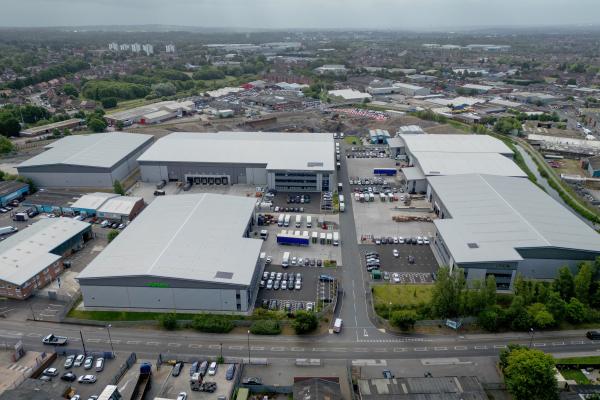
385, 171
293, 240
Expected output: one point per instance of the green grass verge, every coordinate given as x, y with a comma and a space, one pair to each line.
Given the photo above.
353, 140
109, 316
575, 375
579, 360
407, 296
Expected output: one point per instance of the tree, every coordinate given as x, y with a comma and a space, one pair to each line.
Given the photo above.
517, 313
556, 306
404, 319
97, 125
583, 282
55, 132
540, 316
9, 125
490, 319
109, 102
164, 89
505, 353
118, 188
305, 321
70, 90
576, 311
6, 146
529, 375
448, 293
564, 283
507, 125
120, 125
112, 234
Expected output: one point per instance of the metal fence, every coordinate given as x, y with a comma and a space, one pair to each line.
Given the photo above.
124, 368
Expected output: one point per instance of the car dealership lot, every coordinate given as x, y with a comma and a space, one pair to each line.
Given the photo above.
174, 385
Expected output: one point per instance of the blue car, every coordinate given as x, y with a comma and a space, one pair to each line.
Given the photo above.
230, 372
194, 368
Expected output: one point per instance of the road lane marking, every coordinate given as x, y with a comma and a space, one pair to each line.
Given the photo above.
460, 347
297, 348
338, 349
499, 346
152, 343
133, 342
400, 349
33, 334
365, 334
237, 347
255, 348
577, 342
440, 348
195, 346
318, 349
277, 348
420, 349
94, 340
539, 344
558, 343
214, 346
480, 347
380, 350
360, 350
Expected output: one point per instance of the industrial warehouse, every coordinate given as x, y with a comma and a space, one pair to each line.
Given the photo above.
177, 256
287, 162
486, 227
32, 258
86, 161
439, 155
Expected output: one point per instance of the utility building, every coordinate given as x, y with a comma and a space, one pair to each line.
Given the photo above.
287, 162
184, 253
86, 161
501, 226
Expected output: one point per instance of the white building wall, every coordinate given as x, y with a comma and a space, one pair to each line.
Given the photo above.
256, 176
154, 173
61, 180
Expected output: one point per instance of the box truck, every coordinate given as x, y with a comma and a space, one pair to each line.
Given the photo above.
298, 221
286, 221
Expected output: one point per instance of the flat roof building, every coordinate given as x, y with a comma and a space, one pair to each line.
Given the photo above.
503, 225
86, 161
109, 206
72, 123
422, 388
289, 162
32, 258
177, 255
10, 190
152, 113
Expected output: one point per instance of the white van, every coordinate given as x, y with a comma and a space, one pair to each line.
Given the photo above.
286, 221
308, 221
298, 221
337, 325
336, 238
280, 220
264, 234
286, 259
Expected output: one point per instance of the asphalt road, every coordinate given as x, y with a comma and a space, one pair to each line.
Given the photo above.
149, 343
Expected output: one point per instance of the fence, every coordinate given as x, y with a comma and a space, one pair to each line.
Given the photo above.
124, 368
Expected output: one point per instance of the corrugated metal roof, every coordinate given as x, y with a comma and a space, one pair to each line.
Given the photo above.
102, 150
502, 214
438, 163
454, 143
26, 253
276, 150
189, 237
119, 205
92, 201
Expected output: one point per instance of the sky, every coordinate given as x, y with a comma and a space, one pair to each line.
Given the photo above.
320, 14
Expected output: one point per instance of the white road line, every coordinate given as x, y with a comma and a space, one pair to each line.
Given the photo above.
316, 349
460, 347
577, 342
558, 343
480, 347
420, 349
360, 350
237, 347
214, 346
33, 334
380, 350
400, 349
133, 342
93, 340
277, 348
499, 346
152, 343
440, 348
257, 348
297, 348
195, 346
539, 344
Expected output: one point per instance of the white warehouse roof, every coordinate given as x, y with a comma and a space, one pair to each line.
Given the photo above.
119, 205
92, 201
276, 150
455, 143
492, 216
195, 237
27, 252
103, 150
438, 163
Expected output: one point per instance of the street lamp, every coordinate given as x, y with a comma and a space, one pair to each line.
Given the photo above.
248, 346
531, 333
110, 339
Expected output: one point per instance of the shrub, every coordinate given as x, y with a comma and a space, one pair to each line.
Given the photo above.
109, 102
168, 321
265, 327
489, 319
404, 319
212, 324
305, 322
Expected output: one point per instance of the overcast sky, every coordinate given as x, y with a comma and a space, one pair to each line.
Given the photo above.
384, 14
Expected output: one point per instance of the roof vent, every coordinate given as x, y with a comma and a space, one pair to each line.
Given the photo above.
473, 245
224, 275
314, 164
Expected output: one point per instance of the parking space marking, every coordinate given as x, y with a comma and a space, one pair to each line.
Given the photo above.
480, 347
460, 347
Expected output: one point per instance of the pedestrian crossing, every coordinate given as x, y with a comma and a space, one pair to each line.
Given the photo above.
19, 368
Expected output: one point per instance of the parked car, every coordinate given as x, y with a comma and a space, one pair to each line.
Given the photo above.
387, 374
50, 372
396, 253
69, 361
203, 368
182, 396
177, 368
230, 372
99, 364
87, 379
212, 369
88, 362
78, 360
326, 278
68, 376
396, 277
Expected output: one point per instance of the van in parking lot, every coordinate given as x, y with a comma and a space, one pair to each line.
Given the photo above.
264, 234
286, 221
336, 238
280, 220
309, 221
337, 325
298, 221
285, 262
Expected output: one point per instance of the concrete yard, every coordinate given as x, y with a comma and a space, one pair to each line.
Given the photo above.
363, 168
174, 385
146, 190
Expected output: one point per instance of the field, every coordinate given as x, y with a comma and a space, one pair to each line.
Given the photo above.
405, 296
575, 375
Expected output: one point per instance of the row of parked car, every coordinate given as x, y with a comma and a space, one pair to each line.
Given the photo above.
401, 240
278, 280
355, 180
299, 199
287, 305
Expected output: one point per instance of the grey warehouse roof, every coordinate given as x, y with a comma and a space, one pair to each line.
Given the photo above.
438, 163
276, 150
492, 216
190, 237
102, 150
455, 143
27, 252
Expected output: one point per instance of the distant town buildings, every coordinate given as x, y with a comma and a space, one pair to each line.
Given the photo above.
334, 69
148, 49
138, 48
170, 48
